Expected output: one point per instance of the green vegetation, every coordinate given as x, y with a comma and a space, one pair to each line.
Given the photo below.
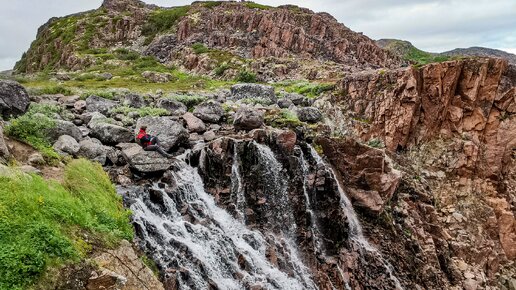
46, 224
211, 4
33, 127
126, 54
221, 69
376, 143
188, 101
311, 90
253, 5
200, 48
52, 90
246, 77
142, 112
162, 20
420, 58
282, 118
110, 95
256, 101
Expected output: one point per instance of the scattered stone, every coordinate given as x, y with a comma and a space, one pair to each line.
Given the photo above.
174, 107
67, 145
253, 91
64, 128
309, 114
93, 149
69, 101
111, 134
30, 170
14, 99
36, 159
285, 103
170, 132
193, 123
134, 101
98, 104
4, 151
105, 76
247, 118
209, 136
209, 111
156, 77
297, 99
80, 106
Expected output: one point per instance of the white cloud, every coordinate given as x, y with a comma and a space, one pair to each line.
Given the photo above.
433, 25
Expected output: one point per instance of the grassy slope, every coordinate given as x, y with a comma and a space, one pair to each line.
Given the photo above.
44, 223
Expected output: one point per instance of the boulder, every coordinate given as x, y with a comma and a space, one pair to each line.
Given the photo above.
4, 151
93, 149
67, 145
285, 103
80, 106
173, 106
193, 123
367, 173
110, 134
14, 99
170, 132
247, 118
64, 128
69, 101
309, 114
297, 99
210, 111
253, 91
156, 77
36, 159
134, 101
145, 161
98, 104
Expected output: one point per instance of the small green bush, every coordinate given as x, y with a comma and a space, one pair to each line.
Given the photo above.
163, 20
246, 77
211, 4
110, 95
199, 48
42, 223
126, 54
189, 101
375, 143
221, 69
33, 127
283, 118
53, 90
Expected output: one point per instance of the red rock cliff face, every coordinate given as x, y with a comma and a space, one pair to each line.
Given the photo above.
282, 32
470, 99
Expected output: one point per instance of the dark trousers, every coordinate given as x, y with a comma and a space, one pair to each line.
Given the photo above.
155, 146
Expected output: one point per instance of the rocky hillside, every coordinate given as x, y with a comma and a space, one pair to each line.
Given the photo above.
482, 52
236, 34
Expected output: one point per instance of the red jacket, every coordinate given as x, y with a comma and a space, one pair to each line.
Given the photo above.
143, 138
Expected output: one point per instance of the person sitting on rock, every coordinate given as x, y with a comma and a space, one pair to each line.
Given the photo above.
150, 143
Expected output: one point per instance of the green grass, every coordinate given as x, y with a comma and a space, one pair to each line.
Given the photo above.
253, 5
188, 101
199, 48
45, 224
142, 112
163, 20
53, 90
211, 4
311, 90
246, 77
31, 128
420, 58
282, 118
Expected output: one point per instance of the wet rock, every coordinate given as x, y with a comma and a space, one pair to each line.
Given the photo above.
193, 123
210, 111
14, 99
367, 172
171, 133
309, 114
111, 134
286, 140
93, 149
98, 104
253, 91
176, 108
247, 118
145, 161
134, 101
67, 145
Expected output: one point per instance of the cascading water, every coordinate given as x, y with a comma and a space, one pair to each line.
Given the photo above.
237, 190
200, 246
356, 234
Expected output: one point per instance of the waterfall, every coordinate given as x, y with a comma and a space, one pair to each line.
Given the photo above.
356, 234
202, 246
237, 190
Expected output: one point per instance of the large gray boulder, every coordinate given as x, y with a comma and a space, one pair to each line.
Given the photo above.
98, 104
14, 99
145, 161
170, 132
298, 99
247, 118
172, 106
61, 128
253, 91
134, 100
309, 114
67, 145
210, 111
93, 149
193, 123
110, 134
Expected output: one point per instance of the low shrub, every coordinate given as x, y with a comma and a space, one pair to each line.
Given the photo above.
142, 112
53, 90
246, 77
189, 101
221, 69
199, 48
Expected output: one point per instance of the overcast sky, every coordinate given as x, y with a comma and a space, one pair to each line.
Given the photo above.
432, 25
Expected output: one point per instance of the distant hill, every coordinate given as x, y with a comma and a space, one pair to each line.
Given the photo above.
482, 51
409, 52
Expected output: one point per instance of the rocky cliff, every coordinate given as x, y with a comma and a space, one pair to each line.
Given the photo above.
240, 29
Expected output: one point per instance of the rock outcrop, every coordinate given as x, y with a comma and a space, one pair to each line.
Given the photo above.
145, 161
170, 132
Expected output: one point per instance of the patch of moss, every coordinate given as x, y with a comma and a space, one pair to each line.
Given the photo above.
283, 118
163, 20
